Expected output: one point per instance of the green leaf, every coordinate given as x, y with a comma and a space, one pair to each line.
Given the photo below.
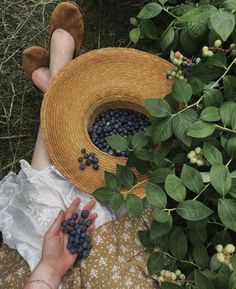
135, 34
111, 181
157, 107
155, 195
197, 85
223, 23
143, 237
168, 285
117, 142
197, 30
233, 120
212, 97
229, 82
198, 226
193, 210
134, 206
181, 123
212, 154
220, 178
187, 43
232, 190
200, 255
162, 130
159, 176
215, 263
182, 91
230, 4
226, 111
217, 60
231, 147
139, 140
233, 262
178, 244
210, 113
223, 276
144, 154
167, 38
175, 188
149, 29
227, 213
160, 215
155, 263
192, 179
232, 281
103, 194
124, 175
149, 11
201, 129
158, 229
117, 200
202, 282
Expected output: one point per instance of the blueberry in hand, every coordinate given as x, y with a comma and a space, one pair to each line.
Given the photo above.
75, 216
85, 214
88, 223
81, 221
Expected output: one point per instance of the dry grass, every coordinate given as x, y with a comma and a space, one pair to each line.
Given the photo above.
24, 23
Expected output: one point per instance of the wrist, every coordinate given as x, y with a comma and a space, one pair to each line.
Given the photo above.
46, 273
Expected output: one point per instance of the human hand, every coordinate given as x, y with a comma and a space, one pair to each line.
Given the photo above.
55, 253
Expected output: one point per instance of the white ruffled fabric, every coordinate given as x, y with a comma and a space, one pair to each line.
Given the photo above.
30, 202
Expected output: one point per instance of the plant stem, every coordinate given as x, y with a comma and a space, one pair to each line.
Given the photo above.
202, 191
183, 261
224, 128
168, 12
137, 185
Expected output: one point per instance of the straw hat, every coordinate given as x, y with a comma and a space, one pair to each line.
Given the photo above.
92, 83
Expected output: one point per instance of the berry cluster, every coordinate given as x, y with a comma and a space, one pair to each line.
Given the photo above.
183, 68
79, 242
123, 122
224, 254
196, 157
88, 159
209, 51
174, 277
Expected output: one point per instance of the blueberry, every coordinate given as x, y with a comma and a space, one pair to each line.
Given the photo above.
65, 223
83, 151
73, 251
83, 229
95, 167
80, 159
92, 154
71, 222
85, 245
85, 214
80, 249
78, 231
88, 223
83, 235
82, 166
75, 216
86, 253
73, 233
95, 160
81, 221
86, 156
88, 162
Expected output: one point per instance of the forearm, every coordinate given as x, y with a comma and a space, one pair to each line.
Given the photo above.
50, 279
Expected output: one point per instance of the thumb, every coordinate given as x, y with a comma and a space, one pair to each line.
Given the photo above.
56, 226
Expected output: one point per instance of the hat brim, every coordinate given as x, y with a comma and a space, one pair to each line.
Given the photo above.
94, 82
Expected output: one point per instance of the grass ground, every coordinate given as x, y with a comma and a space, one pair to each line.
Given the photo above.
24, 23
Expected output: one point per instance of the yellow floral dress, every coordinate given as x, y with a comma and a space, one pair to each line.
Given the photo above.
117, 260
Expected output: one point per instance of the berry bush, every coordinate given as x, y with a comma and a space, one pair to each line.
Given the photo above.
188, 153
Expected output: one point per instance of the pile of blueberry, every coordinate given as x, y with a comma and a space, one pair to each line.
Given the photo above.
88, 159
79, 242
123, 122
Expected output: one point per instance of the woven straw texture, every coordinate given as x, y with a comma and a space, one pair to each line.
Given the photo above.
90, 84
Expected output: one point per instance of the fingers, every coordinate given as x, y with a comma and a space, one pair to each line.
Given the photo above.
56, 226
73, 207
90, 229
90, 205
92, 217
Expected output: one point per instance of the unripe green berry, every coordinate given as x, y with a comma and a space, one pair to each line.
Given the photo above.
167, 274
219, 248
180, 72
200, 163
218, 43
163, 273
178, 272
176, 61
198, 150
181, 77
170, 77
210, 54
161, 279
220, 257
198, 60
205, 49
193, 160
205, 53
182, 277
133, 21
233, 52
232, 46
173, 276
229, 248
173, 73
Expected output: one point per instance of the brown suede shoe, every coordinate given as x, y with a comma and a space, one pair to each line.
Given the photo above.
33, 58
67, 16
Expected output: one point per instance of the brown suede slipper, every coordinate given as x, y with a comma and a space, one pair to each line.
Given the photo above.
67, 16
33, 58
